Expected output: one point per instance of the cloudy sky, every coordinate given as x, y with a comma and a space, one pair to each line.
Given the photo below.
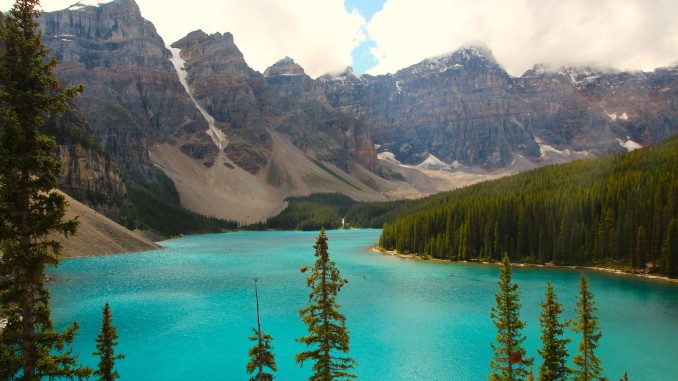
382, 36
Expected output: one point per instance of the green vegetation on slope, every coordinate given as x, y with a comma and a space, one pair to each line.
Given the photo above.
619, 211
328, 209
157, 206
312, 212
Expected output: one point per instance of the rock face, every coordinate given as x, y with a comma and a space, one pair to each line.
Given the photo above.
132, 96
465, 108
312, 123
247, 106
237, 142
226, 87
89, 175
456, 107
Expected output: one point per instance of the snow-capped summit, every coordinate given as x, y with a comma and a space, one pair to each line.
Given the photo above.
469, 55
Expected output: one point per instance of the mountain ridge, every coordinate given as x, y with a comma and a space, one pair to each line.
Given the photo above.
291, 135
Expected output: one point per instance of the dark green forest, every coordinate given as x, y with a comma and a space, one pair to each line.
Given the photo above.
619, 211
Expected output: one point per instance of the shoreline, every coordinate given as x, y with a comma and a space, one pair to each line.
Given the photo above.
657, 278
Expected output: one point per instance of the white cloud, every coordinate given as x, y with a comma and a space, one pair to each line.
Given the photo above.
624, 34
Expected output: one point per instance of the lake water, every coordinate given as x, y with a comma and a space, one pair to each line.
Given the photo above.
185, 312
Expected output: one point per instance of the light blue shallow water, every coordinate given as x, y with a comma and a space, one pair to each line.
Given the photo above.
185, 312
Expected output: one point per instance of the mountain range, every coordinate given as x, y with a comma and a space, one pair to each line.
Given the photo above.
236, 143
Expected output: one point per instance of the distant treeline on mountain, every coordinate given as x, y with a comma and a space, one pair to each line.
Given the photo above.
618, 211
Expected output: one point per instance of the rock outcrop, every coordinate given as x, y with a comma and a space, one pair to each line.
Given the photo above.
89, 174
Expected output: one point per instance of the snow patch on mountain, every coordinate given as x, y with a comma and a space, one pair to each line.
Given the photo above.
552, 154
84, 4
613, 117
218, 137
629, 144
433, 163
388, 156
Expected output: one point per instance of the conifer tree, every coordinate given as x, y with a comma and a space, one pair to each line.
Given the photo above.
586, 363
31, 213
554, 345
105, 343
261, 354
326, 325
509, 362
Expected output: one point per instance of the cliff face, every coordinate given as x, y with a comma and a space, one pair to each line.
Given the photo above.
247, 106
89, 175
312, 123
456, 107
226, 87
591, 110
465, 108
132, 96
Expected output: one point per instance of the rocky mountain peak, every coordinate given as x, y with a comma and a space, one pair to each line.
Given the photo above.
285, 66
346, 77
220, 46
466, 57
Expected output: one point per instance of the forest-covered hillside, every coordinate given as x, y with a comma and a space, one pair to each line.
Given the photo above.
618, 211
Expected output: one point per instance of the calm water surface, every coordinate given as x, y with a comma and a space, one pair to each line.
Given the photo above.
185, 312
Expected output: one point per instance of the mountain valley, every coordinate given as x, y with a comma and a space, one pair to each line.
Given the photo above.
236, 143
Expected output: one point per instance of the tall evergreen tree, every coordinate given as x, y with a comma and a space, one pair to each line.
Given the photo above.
326, 325
586, 363
509, 362
261, 354
105, 343
31, 213
554, 345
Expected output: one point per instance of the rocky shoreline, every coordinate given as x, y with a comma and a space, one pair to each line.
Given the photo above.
592, 268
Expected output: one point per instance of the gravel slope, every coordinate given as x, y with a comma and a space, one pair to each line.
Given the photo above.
98, 235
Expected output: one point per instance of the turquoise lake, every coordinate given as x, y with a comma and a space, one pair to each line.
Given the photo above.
185, 312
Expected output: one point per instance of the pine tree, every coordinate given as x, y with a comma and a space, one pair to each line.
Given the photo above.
586, 363
261, 354
554, 346
31, 213
326, 325
105, 343
509, 362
